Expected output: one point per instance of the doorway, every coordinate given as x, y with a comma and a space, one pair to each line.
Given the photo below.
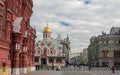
37, 67
43, 61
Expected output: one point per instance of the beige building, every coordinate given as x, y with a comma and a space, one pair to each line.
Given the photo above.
104, 50
74, 55
85, 56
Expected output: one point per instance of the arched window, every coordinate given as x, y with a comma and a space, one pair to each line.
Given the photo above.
45, 50
51, 60
116, 53
51, 52
105, 53
58, 60
3, 22
15, 7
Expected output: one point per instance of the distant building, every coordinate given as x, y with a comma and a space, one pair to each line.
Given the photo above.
85, 56
50, 51
66, 49
104, 50
81, 57
75, 58
74, 54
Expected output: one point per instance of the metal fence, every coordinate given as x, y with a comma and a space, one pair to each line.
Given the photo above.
85, 69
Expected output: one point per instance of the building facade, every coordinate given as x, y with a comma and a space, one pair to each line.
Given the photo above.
85, 56
72, 55
17, 37
49, 51
66, 49
75, 59
104, 50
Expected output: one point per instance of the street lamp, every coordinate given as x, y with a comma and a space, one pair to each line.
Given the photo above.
52, 64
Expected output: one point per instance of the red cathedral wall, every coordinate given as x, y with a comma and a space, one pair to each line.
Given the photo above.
9, 11
5, 33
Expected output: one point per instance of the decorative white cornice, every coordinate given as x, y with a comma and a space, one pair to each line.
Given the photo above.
9, 10
2, 3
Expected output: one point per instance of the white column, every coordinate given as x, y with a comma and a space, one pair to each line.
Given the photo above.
24, 70
33, 68
15, 71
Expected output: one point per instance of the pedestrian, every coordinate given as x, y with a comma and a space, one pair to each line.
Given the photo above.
89, 68
52, 67
41, 67
110, 66
113, 69
74, 65
59, 68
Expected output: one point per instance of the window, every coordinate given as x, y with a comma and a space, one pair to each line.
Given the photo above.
48, 44
45, 50
51, 60
60, 47
116, 53
51, 52
36, 59
3, 65
3, 22
105, 53
58, 60
25, 26
38, 52
46, 35
106, 42
119, 42
8, 57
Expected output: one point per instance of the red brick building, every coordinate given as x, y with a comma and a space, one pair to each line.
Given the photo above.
17, 37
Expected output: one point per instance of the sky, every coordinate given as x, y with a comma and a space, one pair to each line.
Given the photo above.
78, 18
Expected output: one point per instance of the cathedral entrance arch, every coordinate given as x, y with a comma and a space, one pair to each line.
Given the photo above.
44, 61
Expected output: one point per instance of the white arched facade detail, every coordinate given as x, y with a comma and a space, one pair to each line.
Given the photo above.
104, 49
116, 48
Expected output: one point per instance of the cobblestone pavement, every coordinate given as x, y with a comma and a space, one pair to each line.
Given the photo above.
73, 73
90, 73
76, 71
44, 73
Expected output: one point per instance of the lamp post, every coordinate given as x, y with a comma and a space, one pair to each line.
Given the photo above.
52, 64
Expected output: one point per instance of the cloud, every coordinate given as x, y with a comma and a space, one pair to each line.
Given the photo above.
81, 21
64, 23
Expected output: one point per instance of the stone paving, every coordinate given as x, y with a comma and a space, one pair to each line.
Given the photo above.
73, 73
44, 73
76, 71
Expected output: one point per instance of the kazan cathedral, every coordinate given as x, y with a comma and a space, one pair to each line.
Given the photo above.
51, 52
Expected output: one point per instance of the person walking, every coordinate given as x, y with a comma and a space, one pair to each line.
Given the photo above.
113, 69
90, 68
41, 67
59, 68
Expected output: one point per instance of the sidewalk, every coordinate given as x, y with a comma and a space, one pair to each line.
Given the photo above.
45, 72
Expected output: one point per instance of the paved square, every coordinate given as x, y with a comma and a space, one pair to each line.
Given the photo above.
73, 73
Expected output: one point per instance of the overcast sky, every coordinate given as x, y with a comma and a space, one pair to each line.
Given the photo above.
76, 18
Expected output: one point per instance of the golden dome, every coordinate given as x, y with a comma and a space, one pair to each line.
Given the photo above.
47, 29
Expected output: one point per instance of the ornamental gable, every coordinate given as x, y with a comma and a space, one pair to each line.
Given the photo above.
115, 30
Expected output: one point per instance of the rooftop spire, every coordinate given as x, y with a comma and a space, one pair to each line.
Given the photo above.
47, 28
47, 23
67, 36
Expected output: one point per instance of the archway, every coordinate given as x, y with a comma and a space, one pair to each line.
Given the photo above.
44, 61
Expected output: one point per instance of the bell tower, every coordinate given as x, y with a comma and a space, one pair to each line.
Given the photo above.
46, 33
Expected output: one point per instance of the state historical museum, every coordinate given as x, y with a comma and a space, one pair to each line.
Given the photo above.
17, 37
